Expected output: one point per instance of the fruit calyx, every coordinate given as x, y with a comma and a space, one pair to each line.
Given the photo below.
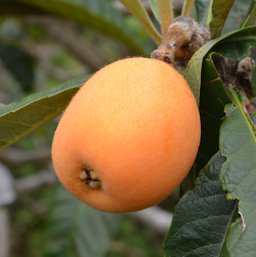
90, 178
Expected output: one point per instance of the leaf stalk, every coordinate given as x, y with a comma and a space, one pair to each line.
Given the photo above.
187, 8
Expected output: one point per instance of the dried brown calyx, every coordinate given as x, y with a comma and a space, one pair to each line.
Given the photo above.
183, 38
90, 178
237, 74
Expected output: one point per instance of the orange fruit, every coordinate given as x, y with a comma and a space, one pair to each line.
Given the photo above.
128, 137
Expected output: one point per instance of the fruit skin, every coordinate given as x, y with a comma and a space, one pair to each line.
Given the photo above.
136, 124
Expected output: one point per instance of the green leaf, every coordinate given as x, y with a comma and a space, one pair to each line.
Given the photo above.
203, 11
187, 8
19, 119
251, 17
20, 64
163, 12
238, 176
237, 45
237, 15
138, 10
220, 11
96, 14
78, 230
154, 8
212, 102
202, 217
194, 69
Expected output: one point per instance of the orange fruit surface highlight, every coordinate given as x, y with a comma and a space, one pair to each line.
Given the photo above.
129, 136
